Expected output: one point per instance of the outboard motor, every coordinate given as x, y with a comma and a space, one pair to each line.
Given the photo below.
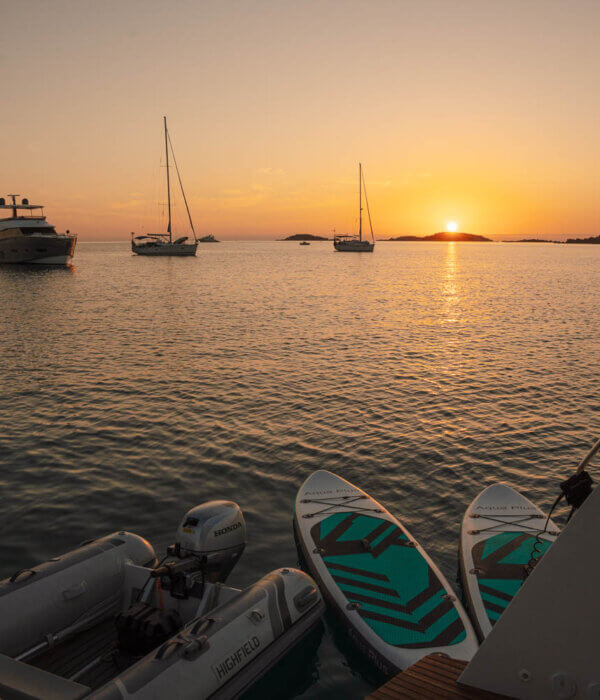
215, 534
210, 540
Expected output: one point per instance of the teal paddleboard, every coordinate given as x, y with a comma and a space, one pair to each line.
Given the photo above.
393, 601
501, 540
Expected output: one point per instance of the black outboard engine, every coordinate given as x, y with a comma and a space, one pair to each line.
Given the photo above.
214, 533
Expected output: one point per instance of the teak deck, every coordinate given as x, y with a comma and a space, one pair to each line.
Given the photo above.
434, 677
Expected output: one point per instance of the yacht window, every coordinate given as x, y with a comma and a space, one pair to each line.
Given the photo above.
38, 229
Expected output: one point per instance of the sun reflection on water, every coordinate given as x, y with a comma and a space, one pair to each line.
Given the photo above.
450, 286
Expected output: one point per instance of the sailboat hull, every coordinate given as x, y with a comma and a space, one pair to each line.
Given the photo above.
162, 249
353, 246
356, 244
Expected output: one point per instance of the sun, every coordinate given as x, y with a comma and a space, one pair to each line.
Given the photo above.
452, 227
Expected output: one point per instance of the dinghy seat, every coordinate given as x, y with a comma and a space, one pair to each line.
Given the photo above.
19, 681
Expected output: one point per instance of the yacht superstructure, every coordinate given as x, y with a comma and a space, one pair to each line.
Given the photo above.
26, 236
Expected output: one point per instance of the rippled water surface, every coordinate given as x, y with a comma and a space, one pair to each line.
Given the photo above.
133, 388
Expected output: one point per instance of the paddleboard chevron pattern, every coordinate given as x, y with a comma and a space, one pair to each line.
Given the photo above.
500, 563
387, 580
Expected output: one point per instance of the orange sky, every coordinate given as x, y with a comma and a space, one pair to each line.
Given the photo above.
485, 113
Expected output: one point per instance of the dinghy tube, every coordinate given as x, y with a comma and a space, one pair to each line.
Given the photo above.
41, 605
219, 655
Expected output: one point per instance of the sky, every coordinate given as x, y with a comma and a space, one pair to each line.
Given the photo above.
475, 111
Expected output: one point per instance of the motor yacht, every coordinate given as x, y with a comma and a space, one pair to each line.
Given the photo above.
26, 236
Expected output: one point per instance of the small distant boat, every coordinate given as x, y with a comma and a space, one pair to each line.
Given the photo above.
163, 243
304, 243
26, 236
208, 239
356, 244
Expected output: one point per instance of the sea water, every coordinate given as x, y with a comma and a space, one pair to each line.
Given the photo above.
134, 388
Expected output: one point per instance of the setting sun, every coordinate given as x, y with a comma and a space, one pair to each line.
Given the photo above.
452, 227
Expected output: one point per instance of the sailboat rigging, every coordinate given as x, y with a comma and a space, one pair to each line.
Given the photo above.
163, 243
352, 243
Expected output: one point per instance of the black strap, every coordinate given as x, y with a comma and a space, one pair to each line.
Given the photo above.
577, 488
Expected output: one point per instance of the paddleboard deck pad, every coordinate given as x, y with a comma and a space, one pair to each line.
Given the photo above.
499, 544
393, 601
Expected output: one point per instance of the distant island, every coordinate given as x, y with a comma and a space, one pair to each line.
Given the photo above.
591, 239
531, 240
444, 236
304, 237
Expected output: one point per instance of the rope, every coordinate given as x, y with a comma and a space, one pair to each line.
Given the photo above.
331, 506
143, 588
181, 186
367, 203
535, 550
517, 520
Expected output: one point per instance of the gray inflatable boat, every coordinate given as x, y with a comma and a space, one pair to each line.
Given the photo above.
108, 621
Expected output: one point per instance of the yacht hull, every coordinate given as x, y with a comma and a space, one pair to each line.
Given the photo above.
53, 260
166, 249
39, 250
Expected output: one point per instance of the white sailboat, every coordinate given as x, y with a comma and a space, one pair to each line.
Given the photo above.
355, 243
163, 243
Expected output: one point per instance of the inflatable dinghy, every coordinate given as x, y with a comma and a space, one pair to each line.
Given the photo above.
499, 544
393, 601
107, 621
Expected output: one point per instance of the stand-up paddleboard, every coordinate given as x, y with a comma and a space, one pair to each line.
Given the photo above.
386, 591
499, 543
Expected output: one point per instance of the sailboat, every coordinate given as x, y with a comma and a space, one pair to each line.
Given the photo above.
352, 243
163, 243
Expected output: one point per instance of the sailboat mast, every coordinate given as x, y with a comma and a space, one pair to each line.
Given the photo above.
360, 201
168, 182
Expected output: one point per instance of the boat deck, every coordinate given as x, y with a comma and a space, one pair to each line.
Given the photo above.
90, 657
434, 677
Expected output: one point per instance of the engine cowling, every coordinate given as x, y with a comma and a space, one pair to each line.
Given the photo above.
216, 533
